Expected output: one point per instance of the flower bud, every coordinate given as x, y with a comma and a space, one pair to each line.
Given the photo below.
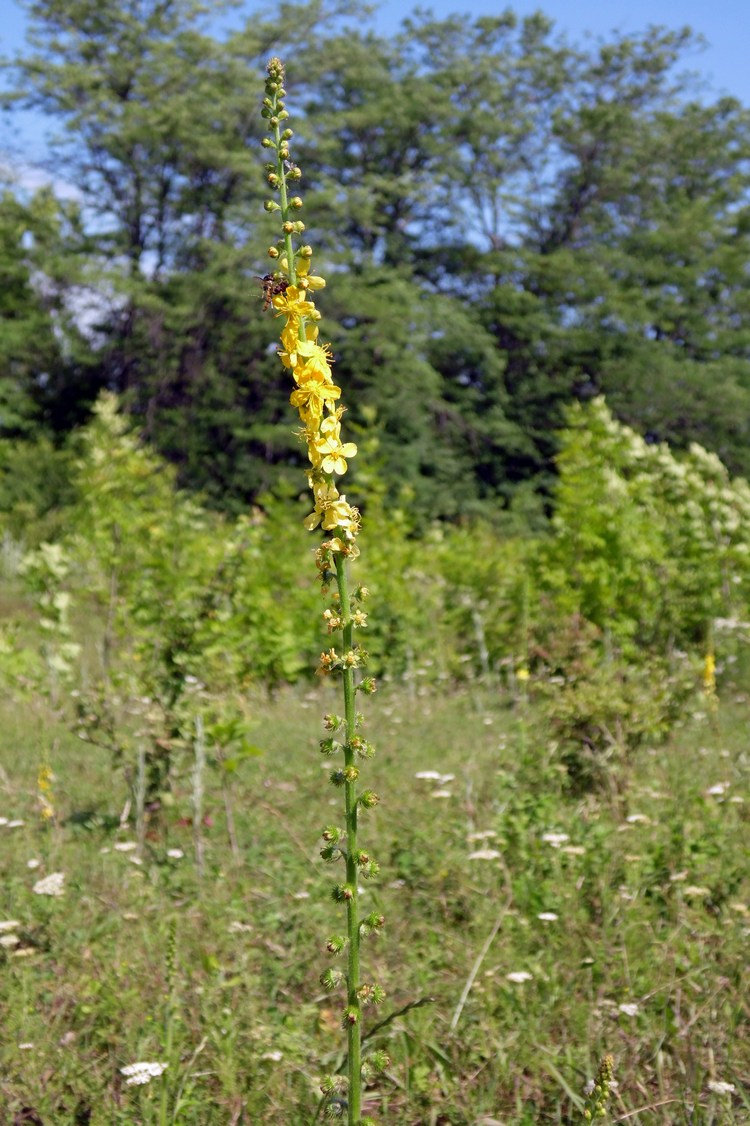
331, 979
373, 920
267, 143
295, 202
379, 1061
350, 1016
285, 136
305, 252
273, 252
336, 943
271, 205
368, 799
273, 180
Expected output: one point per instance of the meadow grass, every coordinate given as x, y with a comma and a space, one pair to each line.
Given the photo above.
623, 920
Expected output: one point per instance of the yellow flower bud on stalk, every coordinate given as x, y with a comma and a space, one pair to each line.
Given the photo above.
316, 397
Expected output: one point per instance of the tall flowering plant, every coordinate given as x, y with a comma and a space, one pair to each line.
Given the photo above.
289, 290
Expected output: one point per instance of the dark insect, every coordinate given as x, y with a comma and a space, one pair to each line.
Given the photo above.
270, 287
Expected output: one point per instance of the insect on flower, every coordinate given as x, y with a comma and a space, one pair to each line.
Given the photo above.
271, 286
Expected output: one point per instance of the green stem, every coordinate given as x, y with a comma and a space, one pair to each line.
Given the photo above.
354, 1059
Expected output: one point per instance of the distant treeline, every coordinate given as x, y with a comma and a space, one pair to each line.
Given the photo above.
507, 223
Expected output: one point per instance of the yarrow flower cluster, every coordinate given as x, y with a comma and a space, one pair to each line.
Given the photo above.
54, 884
137, 1074
316, 397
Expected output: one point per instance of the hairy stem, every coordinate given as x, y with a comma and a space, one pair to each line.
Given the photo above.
354, 1028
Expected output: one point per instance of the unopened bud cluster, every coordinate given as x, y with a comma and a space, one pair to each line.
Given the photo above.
599, 1090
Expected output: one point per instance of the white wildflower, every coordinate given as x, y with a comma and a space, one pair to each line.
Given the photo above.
638, 819
555, 839
9, 925
54, 884
718, 1087
125, 846
9, 940
428, 775
485, 854
175, 853
718, 789
139, 1073
548, 916
630, 1009
33, 863
518, 977
274, 1055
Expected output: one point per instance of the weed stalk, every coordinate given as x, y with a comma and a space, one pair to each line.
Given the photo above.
289, 290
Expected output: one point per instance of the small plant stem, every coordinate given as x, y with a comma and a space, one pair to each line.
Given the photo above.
140, 801
199, 748
354, 1029
169, 1014
229, 813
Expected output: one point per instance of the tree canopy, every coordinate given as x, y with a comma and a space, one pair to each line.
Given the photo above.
510, 223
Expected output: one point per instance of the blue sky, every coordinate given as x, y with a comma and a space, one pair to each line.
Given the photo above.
723, 23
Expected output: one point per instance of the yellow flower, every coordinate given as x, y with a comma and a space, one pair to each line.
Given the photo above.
709, 674
327, 450
305, 278
316, 363
293, 303
331, 510
299, 352
310, 398
290, 337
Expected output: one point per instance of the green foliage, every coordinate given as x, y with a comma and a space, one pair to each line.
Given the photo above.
648, 547
666, 859
523, 223
602, 708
